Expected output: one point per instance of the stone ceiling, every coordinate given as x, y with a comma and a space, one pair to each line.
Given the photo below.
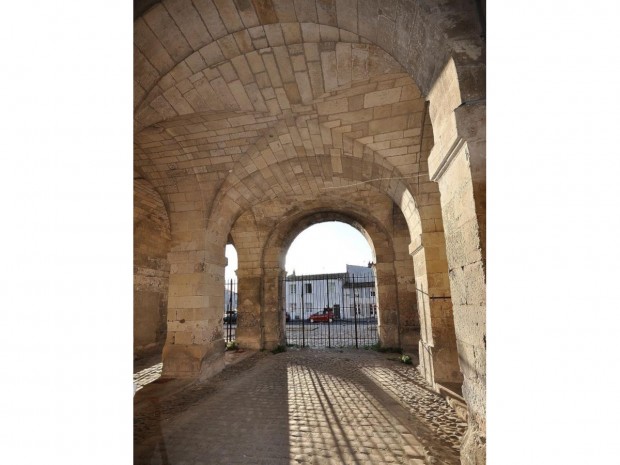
234, 109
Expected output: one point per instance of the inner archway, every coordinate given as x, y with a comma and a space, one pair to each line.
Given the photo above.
230, 271
327, 248
330, 288
262, 296
230, 293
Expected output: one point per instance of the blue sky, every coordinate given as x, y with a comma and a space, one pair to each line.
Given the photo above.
322, 248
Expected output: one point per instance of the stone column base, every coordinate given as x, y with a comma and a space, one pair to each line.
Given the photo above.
248, 342
198, 361
410, 339
474, 446
271, 345
388, 335
436, 364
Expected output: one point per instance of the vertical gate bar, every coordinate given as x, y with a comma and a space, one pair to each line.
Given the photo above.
227, 318
355, 310
226, 309
284, 283
303, 316
226, 314
230, 299
342, 296
329, 325
231, 309
229, 314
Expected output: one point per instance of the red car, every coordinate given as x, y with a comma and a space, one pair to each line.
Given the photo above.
325, 315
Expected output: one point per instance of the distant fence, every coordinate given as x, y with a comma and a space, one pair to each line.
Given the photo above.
230, 310
333, 310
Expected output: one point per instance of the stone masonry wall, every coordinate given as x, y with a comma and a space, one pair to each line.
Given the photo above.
151, 269
458, 163
261, 242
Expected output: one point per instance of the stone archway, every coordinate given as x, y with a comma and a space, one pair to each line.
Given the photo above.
380, 243
238, 103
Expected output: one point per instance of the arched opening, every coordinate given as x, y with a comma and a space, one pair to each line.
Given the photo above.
327, 248
329, 292
230, 294
230, 271
388, 239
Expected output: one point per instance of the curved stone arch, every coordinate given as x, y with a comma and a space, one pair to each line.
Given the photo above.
231, 46
231, 202
277, 147
140, 178
249, 161
283, 235
417, 34
427, 246
149, 204
299, 72
180, 189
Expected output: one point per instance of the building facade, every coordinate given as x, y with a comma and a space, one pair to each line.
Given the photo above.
349, 295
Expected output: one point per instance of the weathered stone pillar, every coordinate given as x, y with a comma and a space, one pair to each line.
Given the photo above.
194, 346
151, 235
249, 333
408, 318
437, 346
387, 323
459, 168
273, 308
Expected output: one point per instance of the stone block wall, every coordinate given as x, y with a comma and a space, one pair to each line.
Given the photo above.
458, 164
262, 237
151, 237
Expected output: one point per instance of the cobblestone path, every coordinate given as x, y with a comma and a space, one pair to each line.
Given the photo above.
300, 407
146, 376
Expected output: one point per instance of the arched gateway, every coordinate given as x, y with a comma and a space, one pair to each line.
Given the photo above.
254, 119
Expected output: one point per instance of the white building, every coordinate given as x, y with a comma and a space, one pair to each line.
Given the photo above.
228, 301
348, 294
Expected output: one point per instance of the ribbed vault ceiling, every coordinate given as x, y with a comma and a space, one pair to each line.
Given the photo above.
243, 112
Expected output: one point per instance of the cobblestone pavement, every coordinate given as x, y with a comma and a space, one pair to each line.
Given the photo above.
299, 407
338, 334
146, 376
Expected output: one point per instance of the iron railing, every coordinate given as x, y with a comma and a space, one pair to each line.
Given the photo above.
230, 310
332, 310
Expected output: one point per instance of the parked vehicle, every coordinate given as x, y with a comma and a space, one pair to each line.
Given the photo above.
326, 315
230, 316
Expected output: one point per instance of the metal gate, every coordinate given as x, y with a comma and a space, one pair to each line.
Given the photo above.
230, 310
331, 310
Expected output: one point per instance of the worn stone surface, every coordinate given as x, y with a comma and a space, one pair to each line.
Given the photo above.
255, 116
458, 164
302, 406
151, 268
261, 249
